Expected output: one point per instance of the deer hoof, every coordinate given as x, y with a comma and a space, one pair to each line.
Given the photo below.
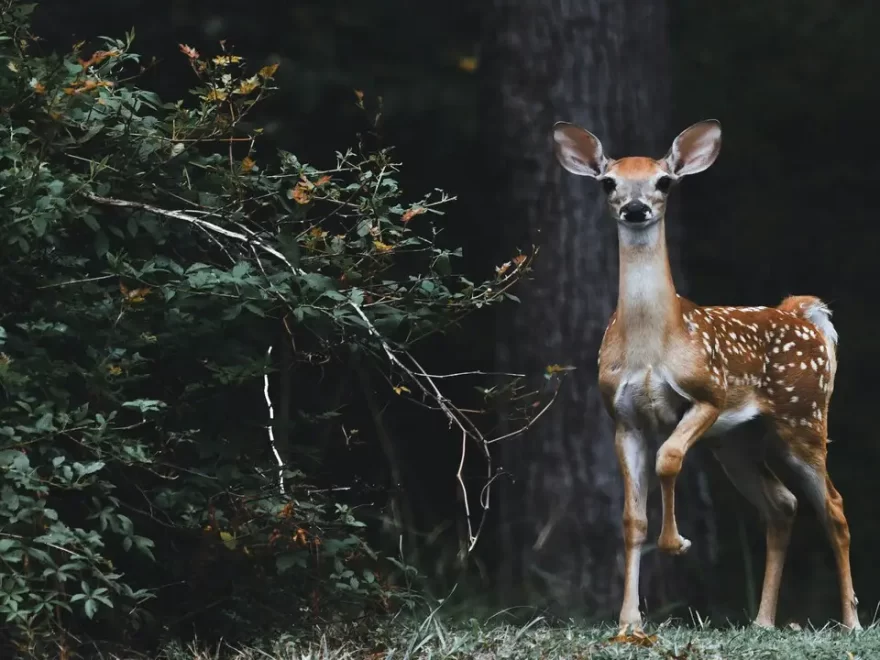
674, 545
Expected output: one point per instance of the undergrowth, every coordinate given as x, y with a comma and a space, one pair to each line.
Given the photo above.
671, 640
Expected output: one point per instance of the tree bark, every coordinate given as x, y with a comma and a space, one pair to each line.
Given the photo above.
601, 64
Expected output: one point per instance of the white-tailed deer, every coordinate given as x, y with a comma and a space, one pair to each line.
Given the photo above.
672, 372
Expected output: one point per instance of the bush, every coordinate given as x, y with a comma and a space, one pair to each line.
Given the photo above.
162, 284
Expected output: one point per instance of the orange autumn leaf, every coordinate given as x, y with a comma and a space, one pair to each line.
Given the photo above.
268, 71
410, 214
190, 52
38, 87
247, 164
134, 296
637, 638
500, 270
322, 180
519, 259
114, 369
468, 63
98, 57
77, 87
317, 232
300, 194
382, 247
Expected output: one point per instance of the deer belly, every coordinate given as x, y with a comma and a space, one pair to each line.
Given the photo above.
732, 417
645, 396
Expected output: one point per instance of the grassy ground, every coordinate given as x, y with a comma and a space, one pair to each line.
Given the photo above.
432, 639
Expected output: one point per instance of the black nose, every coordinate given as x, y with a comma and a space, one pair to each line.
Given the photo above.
635, 212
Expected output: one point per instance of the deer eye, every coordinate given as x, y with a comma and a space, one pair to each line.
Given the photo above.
608, 185
663, 184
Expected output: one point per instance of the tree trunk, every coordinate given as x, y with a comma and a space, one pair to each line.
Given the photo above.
601, 64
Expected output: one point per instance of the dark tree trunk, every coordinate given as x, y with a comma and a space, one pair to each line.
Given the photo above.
603, 65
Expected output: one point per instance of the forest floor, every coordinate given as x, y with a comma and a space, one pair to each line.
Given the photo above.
431, 639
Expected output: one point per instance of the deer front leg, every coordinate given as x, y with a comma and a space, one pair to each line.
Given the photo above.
695, 422
633, 456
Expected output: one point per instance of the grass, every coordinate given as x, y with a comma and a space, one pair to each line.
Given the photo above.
538, 639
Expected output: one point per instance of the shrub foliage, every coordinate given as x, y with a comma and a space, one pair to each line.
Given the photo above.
157, 273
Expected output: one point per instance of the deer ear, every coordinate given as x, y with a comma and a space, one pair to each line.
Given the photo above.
695, 148
578, 151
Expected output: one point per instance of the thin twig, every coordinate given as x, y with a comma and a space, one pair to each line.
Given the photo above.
270, 427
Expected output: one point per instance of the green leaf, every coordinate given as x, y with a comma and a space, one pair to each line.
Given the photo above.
241, 269
285, 562
102, 243
45, 422
90, 607
91, 222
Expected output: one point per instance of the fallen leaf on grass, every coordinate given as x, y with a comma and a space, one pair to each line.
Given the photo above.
637, 638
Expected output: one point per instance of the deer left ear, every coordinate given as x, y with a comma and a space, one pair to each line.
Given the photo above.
695, 148
578, 150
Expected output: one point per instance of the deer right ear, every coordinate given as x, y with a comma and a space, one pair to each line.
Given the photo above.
695, 148
578, 151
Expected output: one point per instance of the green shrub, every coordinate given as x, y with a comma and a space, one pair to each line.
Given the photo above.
152, 258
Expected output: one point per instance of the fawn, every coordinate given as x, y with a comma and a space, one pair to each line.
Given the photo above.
672, 372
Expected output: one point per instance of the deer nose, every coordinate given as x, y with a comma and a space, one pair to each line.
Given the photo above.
635, 212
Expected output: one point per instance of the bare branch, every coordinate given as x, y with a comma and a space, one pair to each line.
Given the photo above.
198, 222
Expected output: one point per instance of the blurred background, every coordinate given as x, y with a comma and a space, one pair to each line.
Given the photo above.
468, 93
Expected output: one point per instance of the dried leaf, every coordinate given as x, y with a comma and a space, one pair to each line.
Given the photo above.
228, 540
300, 194
248, 85
468, 63
134, 296
636, 638
247, 164
268, 71
114, 369
97, 57
226, 60
215, 95
519, 259
37, 86
411, 213
401, 389
190, 52
382, 247
503, 268
558, 368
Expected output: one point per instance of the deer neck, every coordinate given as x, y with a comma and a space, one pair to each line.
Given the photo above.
648, 308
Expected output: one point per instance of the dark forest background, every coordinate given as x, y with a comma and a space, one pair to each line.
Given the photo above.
469, 91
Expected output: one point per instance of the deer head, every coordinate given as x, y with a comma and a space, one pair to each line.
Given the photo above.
636, 187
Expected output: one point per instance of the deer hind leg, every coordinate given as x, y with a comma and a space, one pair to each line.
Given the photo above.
777, 506
806, 456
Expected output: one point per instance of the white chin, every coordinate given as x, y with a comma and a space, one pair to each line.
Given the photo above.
636, 226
